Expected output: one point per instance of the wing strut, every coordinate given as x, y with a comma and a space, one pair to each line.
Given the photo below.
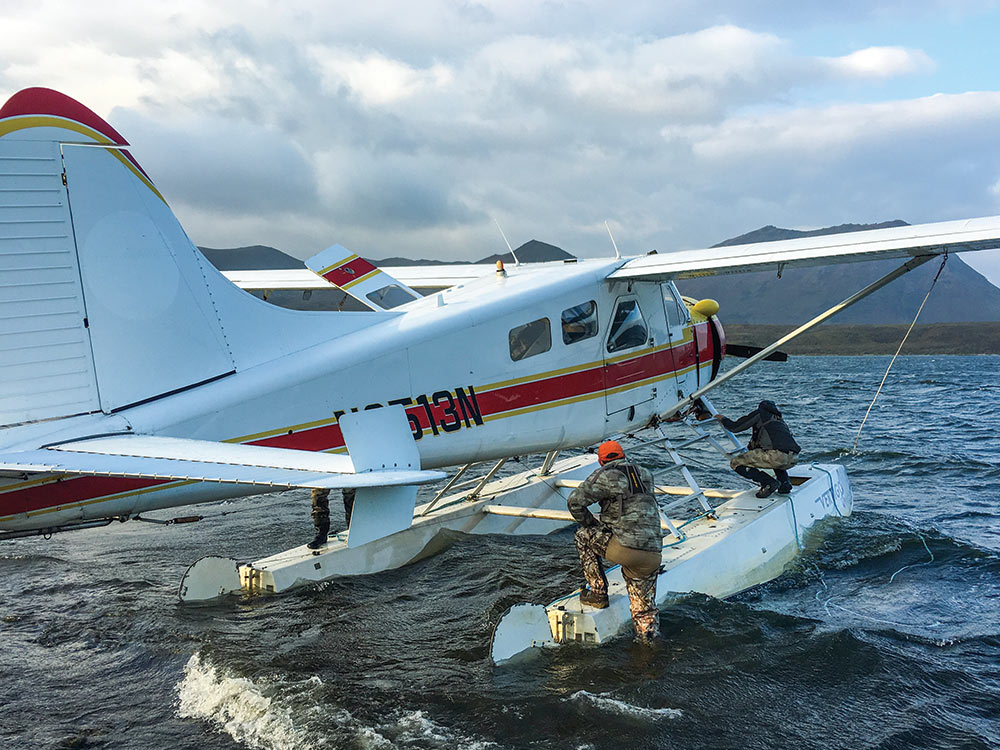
762, 354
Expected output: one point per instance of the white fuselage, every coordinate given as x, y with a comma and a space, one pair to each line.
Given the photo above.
453, 360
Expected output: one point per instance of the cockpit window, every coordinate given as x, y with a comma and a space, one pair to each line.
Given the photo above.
628, 328
530, 339
579, 322
672, 305
390, 296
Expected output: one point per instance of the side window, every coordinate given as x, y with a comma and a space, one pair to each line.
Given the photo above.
579, 322
673, 307
628, 329
530, 339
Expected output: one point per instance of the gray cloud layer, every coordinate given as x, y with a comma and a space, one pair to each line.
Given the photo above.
402, 130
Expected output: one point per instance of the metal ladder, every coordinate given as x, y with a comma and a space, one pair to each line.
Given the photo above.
673, 450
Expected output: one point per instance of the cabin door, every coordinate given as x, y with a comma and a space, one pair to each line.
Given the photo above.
676, 318
635, 348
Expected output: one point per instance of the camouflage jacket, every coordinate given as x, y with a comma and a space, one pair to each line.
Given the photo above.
627, 508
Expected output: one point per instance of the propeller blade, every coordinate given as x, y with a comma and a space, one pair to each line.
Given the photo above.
738, 350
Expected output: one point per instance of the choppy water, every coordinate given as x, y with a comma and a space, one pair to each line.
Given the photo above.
885, 633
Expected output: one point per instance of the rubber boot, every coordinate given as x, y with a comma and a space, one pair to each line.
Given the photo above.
767, 484
596, 597
785, 486
322, 530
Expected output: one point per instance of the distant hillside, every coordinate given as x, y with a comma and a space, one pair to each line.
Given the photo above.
264, 258
939, 338
961, 294
252, 258
532, 251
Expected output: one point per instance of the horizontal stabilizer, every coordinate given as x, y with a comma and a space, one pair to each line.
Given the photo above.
282, 278
851, 247
206, 461
380, 440
368, 284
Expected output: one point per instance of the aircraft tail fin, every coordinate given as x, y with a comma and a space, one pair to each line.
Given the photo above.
101, 304
104, 300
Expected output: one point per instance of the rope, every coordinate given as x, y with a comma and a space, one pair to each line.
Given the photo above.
828, 602
795, 524
913, 565
857, 438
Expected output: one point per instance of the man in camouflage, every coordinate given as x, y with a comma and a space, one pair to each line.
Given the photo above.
771, 446
321, 514
627, 532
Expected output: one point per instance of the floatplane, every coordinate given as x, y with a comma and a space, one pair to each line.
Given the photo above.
136, 377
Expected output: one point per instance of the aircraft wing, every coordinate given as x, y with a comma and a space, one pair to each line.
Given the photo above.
285, 278
206, 461
418, 277
440, 276
850, 247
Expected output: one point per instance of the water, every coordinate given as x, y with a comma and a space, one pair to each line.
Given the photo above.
884, 634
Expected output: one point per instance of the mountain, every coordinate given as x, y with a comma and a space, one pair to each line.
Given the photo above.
264, 258
532, 251
960, 295
252, 258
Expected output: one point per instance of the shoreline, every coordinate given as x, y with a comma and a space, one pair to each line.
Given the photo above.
861, 340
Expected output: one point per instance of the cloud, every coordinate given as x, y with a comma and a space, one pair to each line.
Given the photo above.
826, 133
391, 190
219, 165
880, 62
403, 131
375, 79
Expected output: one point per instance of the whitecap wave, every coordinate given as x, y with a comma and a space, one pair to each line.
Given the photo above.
605, 702
276, 714
237, 706
416, 729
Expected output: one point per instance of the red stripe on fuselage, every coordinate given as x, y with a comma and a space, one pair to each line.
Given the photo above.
69, 491
534, 393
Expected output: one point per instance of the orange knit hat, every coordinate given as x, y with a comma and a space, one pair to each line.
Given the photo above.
609, 451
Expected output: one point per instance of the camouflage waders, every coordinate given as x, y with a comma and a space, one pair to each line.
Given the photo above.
320, 517
749, 464
642, 605
348, 504
592, 545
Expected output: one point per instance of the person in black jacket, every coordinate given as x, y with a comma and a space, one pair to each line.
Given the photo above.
771, 446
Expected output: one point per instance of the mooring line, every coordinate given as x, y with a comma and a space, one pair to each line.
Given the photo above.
828, 602
901, 343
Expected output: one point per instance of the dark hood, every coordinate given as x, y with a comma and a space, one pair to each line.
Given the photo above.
768, 406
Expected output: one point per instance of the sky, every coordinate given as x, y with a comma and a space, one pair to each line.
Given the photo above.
412, 129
